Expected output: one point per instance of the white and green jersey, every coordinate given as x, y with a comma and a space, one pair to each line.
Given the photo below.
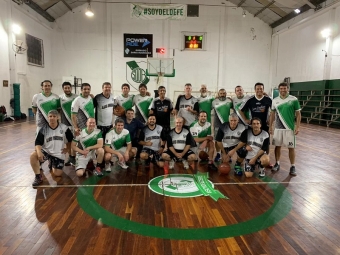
142, 104
84, 109
237, 103
125, 102
44, 104
222, 111
66, 103
285, 109
117, 141
198, 131
86, 139
205, 104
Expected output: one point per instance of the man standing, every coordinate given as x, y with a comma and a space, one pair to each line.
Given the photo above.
44, 102
153, 139
222, 107
118, 144
89, 146
82, 109
179, 143
187, 106
66, 100
227, 139
201, 132
125, 100
205, 102
284, 110
258, 106
134, 127
104, 104
162, 108
142, 102
238, 100
254, 143
50, 145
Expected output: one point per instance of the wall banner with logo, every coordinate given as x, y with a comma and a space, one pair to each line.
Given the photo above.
137, 45
158, 11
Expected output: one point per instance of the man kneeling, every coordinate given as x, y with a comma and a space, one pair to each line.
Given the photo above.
153, 140
50, 145
179, 143
89, 146
118, 144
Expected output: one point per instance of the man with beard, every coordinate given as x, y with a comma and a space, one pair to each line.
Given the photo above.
44, 102
223, 107
104, 104
50, 145
238, 100
142, 102
162, 107
82, 109
205, 102
179, 143
125, 100
118, 144
66, 100
201, 132
153, 139
227, 139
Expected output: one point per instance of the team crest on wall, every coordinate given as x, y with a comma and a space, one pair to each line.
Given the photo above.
135, 73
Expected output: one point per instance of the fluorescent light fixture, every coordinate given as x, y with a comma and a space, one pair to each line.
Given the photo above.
89, 12
297, 11
326, 33
244, 14
16, 29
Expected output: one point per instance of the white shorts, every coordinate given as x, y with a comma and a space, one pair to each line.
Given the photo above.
114, 157
284, 138
81, 161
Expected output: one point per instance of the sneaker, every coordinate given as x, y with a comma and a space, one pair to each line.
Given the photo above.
123, 165
218, 157
97, 171
171, 164
238, 170
212, 167
185, 164
37, 181
262, 172
276, 167
292, 171
70, 161
107, 167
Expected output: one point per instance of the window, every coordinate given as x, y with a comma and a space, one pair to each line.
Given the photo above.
35, 51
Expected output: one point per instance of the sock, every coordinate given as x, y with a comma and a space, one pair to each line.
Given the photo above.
278, 162
38, 175
100, 164
72, 156
237, 163
210, 162
293, 164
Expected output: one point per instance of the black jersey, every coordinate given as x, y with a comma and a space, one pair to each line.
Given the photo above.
257, 107
162, 109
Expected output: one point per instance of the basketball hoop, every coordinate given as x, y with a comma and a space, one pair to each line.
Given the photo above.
159, 80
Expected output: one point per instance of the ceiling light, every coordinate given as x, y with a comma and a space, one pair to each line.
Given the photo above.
89, 12
326, 33
16, 29
297, 11
244, 14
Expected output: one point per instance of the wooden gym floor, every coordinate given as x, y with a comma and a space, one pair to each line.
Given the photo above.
119, 214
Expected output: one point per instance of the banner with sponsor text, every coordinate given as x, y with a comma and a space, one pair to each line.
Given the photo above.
158, 11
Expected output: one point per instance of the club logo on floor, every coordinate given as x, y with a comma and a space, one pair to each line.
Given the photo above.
184, 185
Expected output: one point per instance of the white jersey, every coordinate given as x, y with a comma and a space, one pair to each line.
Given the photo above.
86, 139
152, 135
104, 109
66, 103
229, 137
237, 102
125, 102
179, 140
256, 142
117, 141
44, 104
53, 141
142, 104
84, 109
181, 106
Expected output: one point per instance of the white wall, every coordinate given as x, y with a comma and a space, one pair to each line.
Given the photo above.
297, 49
93, 48
28, 76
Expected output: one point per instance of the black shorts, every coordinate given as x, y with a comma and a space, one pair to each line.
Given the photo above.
105, 130
55, 162
172, 156
153, 155
239, 152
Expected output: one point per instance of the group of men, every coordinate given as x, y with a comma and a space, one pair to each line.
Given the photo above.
90, 130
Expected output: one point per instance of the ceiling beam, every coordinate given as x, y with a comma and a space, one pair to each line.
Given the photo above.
67, 5
309, 3
240, 3
268, 5
39, 10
